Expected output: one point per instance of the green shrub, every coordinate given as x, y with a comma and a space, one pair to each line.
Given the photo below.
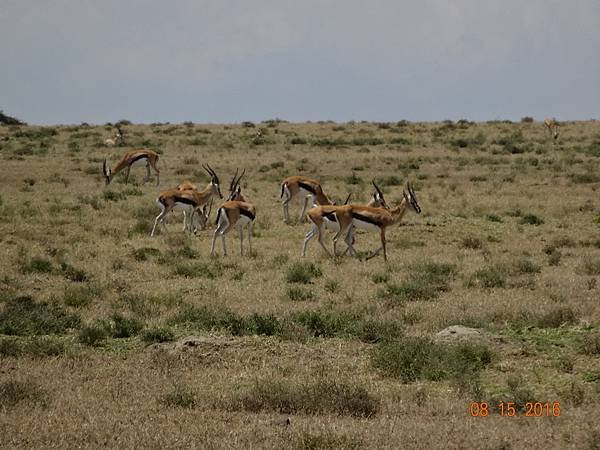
300, 272
488, 277
158, 334
142, 254
24, 316
180, 397
324, 396
14, 392
472, 243
199, 270
80, 296
416, 358
526, 266
92, 334
124, 327
531, 219
73, 274
590, 344
300, 294
37, 265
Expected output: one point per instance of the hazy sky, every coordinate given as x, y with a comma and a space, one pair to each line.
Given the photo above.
97, 61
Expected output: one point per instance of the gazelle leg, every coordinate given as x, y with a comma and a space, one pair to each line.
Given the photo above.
159, 218
376, 252
157, 175
184, 220
221, 229
349, 240
308, 237
285, 204
250, 226
343, 230
127, 174
320, 238
241, 240
304, 208
147, 173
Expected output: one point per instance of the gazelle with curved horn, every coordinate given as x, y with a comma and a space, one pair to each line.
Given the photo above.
552, 127
308, 189
117, 139
198, 201
322, 219
235, 191
369, 219
235, 212
142, 156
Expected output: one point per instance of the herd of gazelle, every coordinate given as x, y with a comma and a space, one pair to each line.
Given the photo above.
324, 214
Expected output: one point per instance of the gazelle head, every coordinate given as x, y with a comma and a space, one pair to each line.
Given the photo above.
235, 190
378, 198
411, 198
214, 180
106, 171
200, 216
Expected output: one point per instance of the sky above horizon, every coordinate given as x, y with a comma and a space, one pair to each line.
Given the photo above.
98, 61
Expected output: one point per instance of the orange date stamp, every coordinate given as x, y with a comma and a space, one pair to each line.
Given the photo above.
509, 409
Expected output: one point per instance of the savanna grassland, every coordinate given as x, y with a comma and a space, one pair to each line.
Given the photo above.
109, 337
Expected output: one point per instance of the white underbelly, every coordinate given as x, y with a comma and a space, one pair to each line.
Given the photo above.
331, 225
364, 225
304, 193
243, 220
140, 162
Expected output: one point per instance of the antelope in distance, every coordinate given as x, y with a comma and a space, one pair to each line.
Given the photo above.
236, 211
198, 203
369, 219
321, 220
306, 188
147, 156
552, 127
111, 142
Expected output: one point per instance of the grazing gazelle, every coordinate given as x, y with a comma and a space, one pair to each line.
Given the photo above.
146, 156
198, 201
552, 127
321, 220
370, 219
309, 190
234, 212
111, 142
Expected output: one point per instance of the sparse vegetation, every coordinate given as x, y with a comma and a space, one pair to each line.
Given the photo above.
98, 320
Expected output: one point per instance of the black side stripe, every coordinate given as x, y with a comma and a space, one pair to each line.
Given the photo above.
307, 187
331, 216
187, 201
247, 213
137, 158
364, 218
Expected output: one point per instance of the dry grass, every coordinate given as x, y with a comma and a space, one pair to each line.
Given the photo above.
90, 305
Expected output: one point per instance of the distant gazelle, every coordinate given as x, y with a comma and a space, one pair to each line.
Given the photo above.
307, 189
117, 139
198, 202
552, 127
366, 218
327, 220
234, 213
142, 156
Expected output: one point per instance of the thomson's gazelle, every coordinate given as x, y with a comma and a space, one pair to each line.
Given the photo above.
198, 201
234, 213
145, 156
321, 220
369, 219
309, 190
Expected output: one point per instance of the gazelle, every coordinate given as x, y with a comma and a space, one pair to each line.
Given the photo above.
236, 211
187, 185
552, 127
111, 142
370, 219
235, 191
308, 189
321, 220
198, 201
147, 156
